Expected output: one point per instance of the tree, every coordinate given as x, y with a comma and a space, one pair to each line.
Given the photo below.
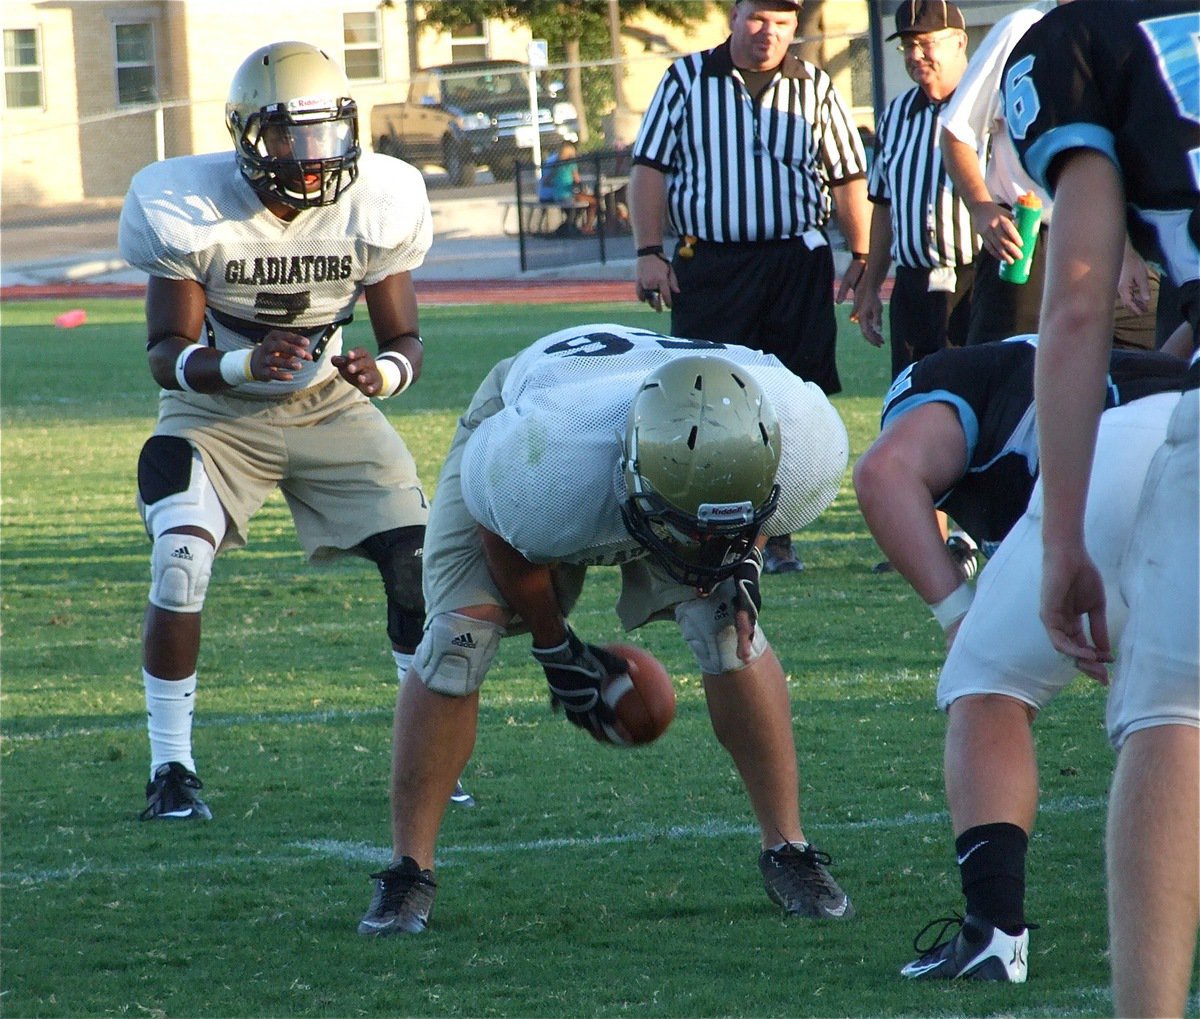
576, 31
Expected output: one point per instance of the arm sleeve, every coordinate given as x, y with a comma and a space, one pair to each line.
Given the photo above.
976, 103
142, 247
877, 182
841, 144
658, 135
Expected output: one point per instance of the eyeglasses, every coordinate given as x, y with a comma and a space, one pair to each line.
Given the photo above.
926, 44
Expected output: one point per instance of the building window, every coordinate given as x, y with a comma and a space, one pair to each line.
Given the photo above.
364, 55
136, 71
22, 69
469, 42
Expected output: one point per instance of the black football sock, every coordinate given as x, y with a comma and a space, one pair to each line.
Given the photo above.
991, 861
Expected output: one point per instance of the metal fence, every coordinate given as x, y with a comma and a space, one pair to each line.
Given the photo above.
552, 233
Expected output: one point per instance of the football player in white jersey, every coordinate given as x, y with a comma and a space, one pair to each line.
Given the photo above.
672, 459
256, 259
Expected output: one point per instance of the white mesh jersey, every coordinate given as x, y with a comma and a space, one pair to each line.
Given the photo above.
544, 472
196, 218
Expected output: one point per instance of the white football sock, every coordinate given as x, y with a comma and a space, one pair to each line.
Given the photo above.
403, 660
169, 707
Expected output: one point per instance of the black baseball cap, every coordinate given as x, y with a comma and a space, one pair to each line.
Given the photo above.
794, 5
919, 16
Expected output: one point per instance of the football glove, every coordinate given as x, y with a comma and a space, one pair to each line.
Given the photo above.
575, 673
747, 593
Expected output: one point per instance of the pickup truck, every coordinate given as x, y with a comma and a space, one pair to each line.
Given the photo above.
459, 116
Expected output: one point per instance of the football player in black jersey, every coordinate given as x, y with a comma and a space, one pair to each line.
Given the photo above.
1101, 101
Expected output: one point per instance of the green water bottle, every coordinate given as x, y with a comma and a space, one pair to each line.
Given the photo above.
1028, 216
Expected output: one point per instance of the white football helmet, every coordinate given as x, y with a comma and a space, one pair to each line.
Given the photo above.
701, 453
293, 124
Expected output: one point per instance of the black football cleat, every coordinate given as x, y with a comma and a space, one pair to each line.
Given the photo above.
171, 796
796, 878
402, 901
976, 950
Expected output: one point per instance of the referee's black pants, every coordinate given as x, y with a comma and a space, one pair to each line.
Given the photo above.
923, 321
773, 296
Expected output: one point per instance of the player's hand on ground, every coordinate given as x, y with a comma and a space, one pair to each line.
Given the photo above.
278, 356
1073, 612
575, 673
357, 367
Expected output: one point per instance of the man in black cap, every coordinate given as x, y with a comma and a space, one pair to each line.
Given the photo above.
919, 221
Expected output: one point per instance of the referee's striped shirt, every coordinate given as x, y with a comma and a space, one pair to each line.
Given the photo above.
746, 169
931, 225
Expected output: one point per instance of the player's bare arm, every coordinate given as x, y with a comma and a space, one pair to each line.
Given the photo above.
175, 322
576, 672
991, 221
1083, 265
392, 305
527, 587
919, 457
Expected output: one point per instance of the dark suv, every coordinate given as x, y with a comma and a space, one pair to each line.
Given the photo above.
461, 115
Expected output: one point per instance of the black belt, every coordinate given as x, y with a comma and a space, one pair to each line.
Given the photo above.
318, 336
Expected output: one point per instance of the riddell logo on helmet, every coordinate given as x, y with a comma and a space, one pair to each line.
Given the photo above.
722, 511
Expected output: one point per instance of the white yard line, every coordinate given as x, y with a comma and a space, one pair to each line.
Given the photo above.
363, 852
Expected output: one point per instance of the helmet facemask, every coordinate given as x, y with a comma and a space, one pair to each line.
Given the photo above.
303, 159
702, 550
701, 453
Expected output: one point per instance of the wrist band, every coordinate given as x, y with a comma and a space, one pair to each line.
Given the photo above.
395, 381
954, 606
858, 256
181, 363
235, 367
650, 249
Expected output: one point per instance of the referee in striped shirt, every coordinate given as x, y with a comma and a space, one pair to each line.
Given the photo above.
743, 147
919, 220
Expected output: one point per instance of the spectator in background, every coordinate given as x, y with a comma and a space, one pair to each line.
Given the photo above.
744, 148
917, 218
561, 184
987, 175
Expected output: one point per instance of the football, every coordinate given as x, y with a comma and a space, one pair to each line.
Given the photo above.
644, 700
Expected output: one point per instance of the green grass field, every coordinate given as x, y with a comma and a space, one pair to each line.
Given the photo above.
589, 881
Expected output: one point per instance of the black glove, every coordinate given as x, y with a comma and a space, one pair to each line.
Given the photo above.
747, 594
576, 672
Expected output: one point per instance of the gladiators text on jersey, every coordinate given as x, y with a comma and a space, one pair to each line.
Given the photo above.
294, 269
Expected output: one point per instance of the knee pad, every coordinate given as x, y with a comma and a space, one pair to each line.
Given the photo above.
180, 566
707, 624
398, 554
174, 490
454, 655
